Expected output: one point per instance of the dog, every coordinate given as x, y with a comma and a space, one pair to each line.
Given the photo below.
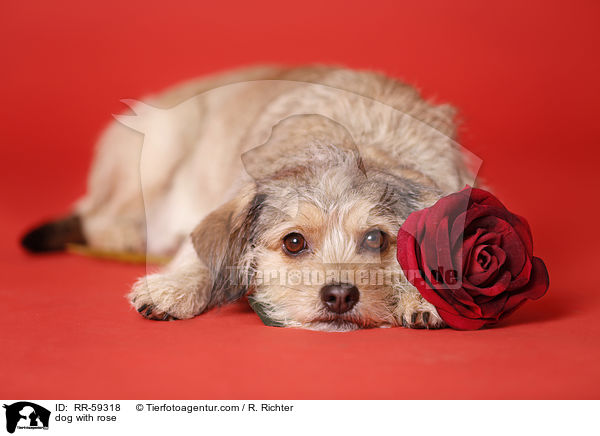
286, 184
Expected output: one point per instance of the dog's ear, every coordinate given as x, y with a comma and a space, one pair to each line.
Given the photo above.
223, 241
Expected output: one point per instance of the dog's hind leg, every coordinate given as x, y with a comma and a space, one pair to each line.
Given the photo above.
111, 214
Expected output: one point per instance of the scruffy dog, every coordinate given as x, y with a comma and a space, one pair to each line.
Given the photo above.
289, 184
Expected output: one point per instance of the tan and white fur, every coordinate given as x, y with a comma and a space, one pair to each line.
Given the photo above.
220, 171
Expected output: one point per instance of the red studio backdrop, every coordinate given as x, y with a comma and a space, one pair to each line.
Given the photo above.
524, 76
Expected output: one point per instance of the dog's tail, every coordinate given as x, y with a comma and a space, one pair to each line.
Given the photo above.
54, 235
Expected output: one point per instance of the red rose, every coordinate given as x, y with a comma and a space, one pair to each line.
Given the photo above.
471, 258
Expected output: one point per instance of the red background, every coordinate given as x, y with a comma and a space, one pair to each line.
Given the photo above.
525, 78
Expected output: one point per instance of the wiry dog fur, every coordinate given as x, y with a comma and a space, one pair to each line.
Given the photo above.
343, 153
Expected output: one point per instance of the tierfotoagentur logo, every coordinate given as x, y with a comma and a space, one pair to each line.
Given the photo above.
26, 415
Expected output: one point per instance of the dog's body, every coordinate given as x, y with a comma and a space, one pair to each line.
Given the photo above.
345, 157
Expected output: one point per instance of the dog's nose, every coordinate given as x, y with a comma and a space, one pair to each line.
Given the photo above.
339, 297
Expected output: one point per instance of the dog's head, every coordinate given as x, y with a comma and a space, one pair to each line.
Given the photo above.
313, 236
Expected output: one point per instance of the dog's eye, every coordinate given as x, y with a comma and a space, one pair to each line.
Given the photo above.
375, 240
294, 243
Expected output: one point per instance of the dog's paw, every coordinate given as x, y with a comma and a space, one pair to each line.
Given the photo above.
422, 318
161, 297
417, 313
149, 311
414, 312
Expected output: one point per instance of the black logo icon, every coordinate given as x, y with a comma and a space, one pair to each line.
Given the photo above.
24, 414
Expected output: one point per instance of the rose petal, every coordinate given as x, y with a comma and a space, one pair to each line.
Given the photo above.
445, 262
536, 288
483, 197
482, 299
484, 258
471, 243
523, 278
499, 254
467, 247
457, 232
485, 277
516, 222
428, 256
521, 226
538, 283
462, 302
481, 277
497, 288
433, 270
493, 308
511, 243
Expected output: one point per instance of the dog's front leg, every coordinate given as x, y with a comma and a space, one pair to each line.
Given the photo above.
211, 267
180, 291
